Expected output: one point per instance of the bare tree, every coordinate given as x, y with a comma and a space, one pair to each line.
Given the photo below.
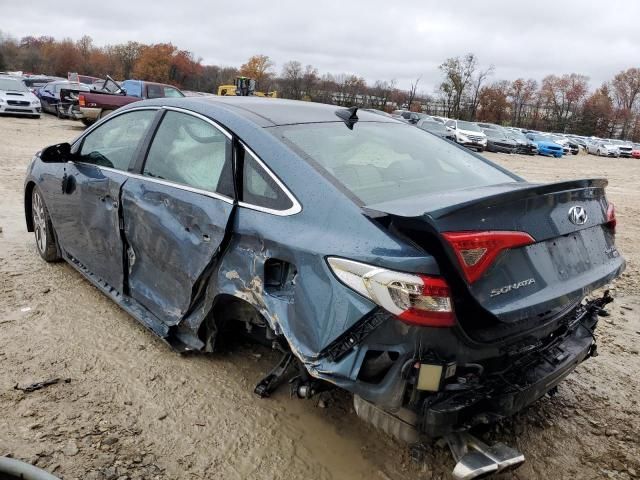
309, 82
626, 92
292, 78
561, 97
458, 73
412, 92
476, 85
521, 95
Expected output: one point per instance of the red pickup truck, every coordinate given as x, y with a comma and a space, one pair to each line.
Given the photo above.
96, 105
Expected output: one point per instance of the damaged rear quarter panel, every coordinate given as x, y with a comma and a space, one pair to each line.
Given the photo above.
318, 308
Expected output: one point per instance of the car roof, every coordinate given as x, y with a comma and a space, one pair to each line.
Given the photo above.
274, 111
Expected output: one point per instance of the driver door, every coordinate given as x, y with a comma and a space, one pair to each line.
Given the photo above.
87, 218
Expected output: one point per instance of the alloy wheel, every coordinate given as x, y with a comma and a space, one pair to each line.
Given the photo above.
39, 222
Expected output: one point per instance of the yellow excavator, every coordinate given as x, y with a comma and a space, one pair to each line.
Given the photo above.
244, 87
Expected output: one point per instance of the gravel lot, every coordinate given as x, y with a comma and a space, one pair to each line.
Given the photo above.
133, 409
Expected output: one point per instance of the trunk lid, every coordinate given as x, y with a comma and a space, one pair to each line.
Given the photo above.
525, 286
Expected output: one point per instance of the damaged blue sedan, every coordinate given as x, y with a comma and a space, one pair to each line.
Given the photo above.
440, 289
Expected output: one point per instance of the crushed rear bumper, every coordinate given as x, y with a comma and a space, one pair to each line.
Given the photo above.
504, 393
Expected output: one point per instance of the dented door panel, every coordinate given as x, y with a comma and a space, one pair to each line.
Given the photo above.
172, 237
87, 219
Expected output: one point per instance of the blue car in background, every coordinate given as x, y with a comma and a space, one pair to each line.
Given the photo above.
49, 95
546, 146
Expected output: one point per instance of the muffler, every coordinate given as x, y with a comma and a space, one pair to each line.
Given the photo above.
476, 459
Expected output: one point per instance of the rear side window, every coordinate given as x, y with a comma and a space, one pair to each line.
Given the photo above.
192, 152
114, 143
161, 91
260, 189
379, 162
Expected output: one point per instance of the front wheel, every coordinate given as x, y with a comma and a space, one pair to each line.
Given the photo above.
42, 228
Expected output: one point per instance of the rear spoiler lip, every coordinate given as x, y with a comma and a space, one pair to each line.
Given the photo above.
521, 191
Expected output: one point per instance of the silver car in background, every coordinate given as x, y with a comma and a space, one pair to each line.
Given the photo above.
17, 99
603, 148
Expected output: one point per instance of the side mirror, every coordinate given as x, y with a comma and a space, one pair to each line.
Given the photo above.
58, 153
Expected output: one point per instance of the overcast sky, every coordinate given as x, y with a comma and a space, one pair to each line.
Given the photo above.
378, 39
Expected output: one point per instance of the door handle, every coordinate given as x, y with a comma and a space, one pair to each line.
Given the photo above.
108, 198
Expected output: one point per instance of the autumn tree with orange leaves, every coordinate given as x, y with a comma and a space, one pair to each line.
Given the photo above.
561, 102
258, 67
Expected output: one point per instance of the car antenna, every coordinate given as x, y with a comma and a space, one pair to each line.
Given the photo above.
348, 116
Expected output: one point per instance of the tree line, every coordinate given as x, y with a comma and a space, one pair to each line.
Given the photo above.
467, 90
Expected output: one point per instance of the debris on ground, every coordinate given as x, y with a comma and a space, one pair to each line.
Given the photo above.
32, 387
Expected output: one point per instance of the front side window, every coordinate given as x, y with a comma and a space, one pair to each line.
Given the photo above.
114, 143
192, 152
379, 162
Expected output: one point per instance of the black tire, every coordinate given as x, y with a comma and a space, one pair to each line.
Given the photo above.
86, 122
44, 234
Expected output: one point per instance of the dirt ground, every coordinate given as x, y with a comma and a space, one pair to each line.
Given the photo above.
133, 409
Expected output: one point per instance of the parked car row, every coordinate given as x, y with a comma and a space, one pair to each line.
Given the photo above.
80, 97
481, 136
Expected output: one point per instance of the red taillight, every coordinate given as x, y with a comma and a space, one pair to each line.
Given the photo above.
476, 251
81, 101
611, 217
432, 307
413, 298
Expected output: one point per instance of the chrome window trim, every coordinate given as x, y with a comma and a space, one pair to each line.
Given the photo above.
295, 205
167, 183
294, 209
201, 117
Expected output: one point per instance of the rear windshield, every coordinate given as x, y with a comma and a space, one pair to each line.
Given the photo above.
379, 162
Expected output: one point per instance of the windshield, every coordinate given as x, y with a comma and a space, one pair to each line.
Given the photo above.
494, 133
379, 162
515, 135
11, 84
539, 138
71, 86
472, 127
432, 126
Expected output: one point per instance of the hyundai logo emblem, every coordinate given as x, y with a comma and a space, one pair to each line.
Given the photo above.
578, 215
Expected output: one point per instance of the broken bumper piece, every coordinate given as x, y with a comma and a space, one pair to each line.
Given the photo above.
475, 459
503, 394
460, 407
